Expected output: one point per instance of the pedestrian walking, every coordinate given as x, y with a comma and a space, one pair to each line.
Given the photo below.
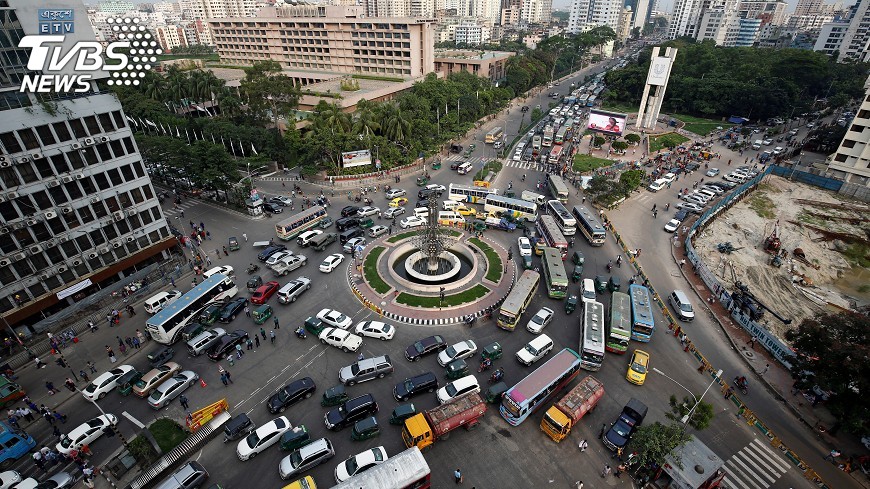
131, 310
239, 351
256, 341
50, 386
245, 236
272, 336
275, 320
618, 454
601, 432
111, 354
92, 367
457, 476
27, 413
606, 471
70, 384
182, 399
247, 311
84, 375
766, 368
250, 344
38, 460
172, 281
583, 445
141, 336
229, 376
224, 380
123, 349
833, 455
263, 333
129, 342
136, 343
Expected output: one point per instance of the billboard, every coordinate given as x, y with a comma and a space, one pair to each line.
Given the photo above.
606, 122
356, 158
659, 69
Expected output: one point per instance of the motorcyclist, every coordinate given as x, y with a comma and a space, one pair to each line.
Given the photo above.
485, 364
300, 332
497, 375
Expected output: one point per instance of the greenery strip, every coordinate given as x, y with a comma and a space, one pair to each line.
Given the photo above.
494, 270
370, 270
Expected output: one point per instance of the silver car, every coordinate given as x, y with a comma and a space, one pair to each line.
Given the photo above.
172, 388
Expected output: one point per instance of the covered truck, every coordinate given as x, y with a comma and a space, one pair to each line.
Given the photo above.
422, 430
564, 414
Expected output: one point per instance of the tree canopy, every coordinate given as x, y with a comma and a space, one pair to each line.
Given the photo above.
833, 352
711, 81
655, 441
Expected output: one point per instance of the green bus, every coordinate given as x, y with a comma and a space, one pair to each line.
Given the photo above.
620, 323
554, 273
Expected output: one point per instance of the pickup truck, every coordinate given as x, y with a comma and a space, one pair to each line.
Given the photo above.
501, 223
287, 265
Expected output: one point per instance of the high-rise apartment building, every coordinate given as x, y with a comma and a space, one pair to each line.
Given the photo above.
685, 18
387, 8
851, 161
422, 8
856, 41
217, 9
624, 24
808, 7
78, 211
830, 39
768, 11
536, 11
587, 14
640, 12
716, 24
116, 6
487, 9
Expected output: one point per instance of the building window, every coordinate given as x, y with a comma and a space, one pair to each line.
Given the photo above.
8, 211
103, 150
27, 173
60, 164
45, 135
58, 195
97, 237
42, 200
78, 129
117, 148
73, 190
102, 181
9, 177
115, 176
10, 143
106, 122
111, 232
90, 155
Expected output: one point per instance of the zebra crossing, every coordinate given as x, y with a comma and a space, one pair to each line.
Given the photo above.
524, 165
755, 466
170, 209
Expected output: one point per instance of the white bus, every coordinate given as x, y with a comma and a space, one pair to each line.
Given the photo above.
471, 195
165, 326
295, 224
502, 206
590, 227
563, 218
518, 300
592, 338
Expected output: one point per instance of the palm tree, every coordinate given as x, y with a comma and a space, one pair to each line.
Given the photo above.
365, 123
396, 127
336, 120
154, 86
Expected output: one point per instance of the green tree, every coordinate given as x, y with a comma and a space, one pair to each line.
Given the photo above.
630, 180
835, 348
701, 416
597, 141
266, 89
619, 145
654, 442
632, 138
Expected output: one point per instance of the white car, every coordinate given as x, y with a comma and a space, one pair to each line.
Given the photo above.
712, 188
304, 239
412, 221
339, 338
172, 388
375, 329
672, 225
540, 320
223, 269
463, 349
435, 186
262, 438
712, 172
367, 211
334, 318
670, 177
104, 383
360, 463
525, 246
86, 433
9, 478
278, 257
456, 389
331, 262
393, 212
281, 200
395, 192
778, 151
689, 206
535, 350
767, 142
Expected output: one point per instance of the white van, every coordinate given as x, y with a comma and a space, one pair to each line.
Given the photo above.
449, 205
450, 218
422, 212
533, 197
464, 168
588, 290
657, 185
680, 302
157, 302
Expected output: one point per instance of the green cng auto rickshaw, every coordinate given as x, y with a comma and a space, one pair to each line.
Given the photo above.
314, 325
456, 369
365, 428
577, 274
570, 304
492, 351
261, 314
402, 412
126, 381
494, 392
421, 181
296, 438
334, 396
366, 222
234, 244
436, 165
600, 284
527, 262
613, 284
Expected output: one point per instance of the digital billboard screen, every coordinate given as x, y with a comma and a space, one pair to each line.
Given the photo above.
606, 122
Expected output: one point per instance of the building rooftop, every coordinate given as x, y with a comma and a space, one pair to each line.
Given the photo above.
472, 54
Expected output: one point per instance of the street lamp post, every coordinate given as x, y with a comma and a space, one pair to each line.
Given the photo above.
685, 419
114, 425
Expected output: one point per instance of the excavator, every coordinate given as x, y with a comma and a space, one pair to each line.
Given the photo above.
749, 304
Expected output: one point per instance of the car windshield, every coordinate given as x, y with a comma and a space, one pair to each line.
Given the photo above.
621, 429
451, 389
531, 349
419, 347
451, 352
66, 441
252, 440
351, 466
638, 368
156, 395
341, 318
385, 328
295, 459
538, 319
686, 307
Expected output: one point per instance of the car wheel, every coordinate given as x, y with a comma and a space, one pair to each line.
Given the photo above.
282, 409
383, 338
381, 375
293, 299
233, 318
346, 349
323, 341
307, 286
350, 383
252, 455
307, 395
102, 395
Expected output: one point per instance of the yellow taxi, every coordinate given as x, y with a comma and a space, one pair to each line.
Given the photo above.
398, 202
465, 211
306, 482
638, 367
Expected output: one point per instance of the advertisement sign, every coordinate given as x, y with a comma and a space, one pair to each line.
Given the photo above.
356, 158
659, 68
606, 122
84, 284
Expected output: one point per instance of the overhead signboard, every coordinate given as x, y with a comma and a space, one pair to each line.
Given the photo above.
609, 123
356, 158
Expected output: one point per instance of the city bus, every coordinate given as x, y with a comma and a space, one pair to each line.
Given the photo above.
553, 237
165, 326
539, 386
502, 206
592, 336
555, 154
494, 135
591, 101
561, 133
562, 217
554, 273
558, 188
291, 227
407, 469
589, 226
582, 100
642, 322
471, 195
518, 300
620, 323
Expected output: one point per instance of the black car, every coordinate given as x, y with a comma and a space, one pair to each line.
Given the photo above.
273, 208
291, 394
350, 412
350, 210
681, 215
430, 344
269, 251
418, 384
226, 344
232, 309
426, 192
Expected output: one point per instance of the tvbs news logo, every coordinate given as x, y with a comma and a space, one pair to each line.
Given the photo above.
125, 59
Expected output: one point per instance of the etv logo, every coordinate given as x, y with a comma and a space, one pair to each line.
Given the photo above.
86, 58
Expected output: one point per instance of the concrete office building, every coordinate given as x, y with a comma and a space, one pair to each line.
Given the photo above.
587, 14
851, 161
319, 43
716, 24
856, 41
640, 12
747, 33
488, 64
78, 209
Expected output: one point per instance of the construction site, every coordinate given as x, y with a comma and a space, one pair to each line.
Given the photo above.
795, 250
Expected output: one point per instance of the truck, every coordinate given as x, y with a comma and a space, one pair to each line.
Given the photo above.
9, 391
548, 135
423, 429
14, 444
564, 414
628, 422
500, 223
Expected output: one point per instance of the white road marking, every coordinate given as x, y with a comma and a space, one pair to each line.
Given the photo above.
133, 420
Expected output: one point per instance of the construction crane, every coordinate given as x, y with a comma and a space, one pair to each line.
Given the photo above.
749, 304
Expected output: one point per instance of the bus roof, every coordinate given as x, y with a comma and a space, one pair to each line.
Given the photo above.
524, 286
544, 375
403, 468
620, 313
507, 200
313, 210
641, 309
581, 212
185, 300
593, 326
552, 260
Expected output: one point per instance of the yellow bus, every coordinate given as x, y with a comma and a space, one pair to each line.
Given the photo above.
494, 135
518, 300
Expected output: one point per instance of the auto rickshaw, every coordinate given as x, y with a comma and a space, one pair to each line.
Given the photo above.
365, 428
366, 222
600, 284
471, 146
614, 283
456, 369
577, 258
478, 226
510, 194
126, 381
402, 412
570, 304
527, 262
334, 396
325, 222
238, 426
254, 283
494, 392
314, 325
261, 314
436, 165
492, 351
233, 244
576, 275
296, 438
421, 181
160, 356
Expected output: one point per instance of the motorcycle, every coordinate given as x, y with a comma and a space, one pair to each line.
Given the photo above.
484, 365
609, 266
252, 268
469, 320
496, 376
742, 386
300, 333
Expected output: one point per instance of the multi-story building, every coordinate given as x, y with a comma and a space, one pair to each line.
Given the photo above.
312, 45
387, 8
747, 33
716, 24
830, 39
488, 64
640, 12
536, 11
217, 9
78, 211
510, 15
856, 41
685, 19
808, 7
624, 25
487, 9
170, 36
459, 8
808, 22
116, 6
851, 161
587, 14
471, 33
422, 8
769, 11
